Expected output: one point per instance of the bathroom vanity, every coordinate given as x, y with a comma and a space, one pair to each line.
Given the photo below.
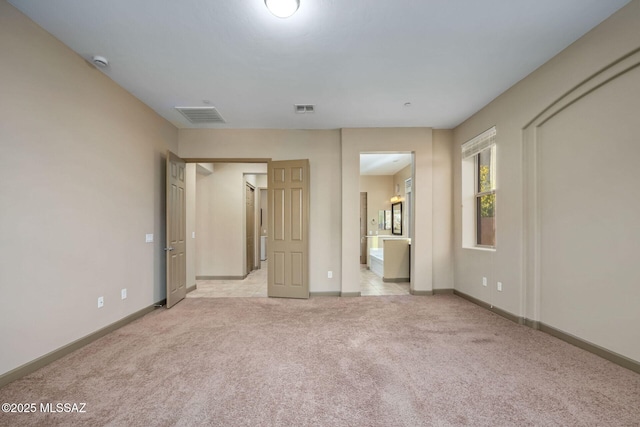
389, 257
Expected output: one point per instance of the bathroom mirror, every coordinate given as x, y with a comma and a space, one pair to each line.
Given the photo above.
396, 212
384, 220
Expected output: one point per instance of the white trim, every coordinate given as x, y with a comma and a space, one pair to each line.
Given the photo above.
481, 142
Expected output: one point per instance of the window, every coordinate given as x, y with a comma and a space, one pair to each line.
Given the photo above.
479, 191
486, 197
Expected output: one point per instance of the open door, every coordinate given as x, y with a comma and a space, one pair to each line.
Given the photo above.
176, 230
288, 230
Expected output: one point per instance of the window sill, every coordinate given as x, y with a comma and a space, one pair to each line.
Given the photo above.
479, 248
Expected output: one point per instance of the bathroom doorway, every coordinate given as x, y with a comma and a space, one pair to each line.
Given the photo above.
386, 210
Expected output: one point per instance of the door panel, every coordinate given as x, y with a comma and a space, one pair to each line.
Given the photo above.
296, 214
288, 248
296, 269
176, 230
278, 268
277, 214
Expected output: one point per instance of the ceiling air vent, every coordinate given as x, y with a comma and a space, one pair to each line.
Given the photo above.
199, 115
303, 108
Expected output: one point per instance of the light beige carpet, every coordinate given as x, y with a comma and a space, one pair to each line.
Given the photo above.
370, 361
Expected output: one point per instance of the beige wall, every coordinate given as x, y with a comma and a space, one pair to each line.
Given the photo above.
220, 219
334, 158
443, 148
83, 182
322, 148
567, 196
379, 189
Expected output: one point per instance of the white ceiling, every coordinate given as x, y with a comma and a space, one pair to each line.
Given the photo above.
358, 61
383, 163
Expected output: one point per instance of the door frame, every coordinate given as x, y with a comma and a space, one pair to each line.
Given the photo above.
250, 268
412, 215
188, 160
364, 226
259, 225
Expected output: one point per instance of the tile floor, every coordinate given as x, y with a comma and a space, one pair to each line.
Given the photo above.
372, 285
255, 285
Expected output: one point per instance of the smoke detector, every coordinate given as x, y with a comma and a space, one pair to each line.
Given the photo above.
100, 61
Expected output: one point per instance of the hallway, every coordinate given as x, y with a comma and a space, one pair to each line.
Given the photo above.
255, 285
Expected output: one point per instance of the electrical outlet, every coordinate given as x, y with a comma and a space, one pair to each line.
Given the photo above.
123, 293
499, 286
330, 274
100, 302
484, 281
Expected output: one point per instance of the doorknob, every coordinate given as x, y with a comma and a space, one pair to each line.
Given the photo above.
168, 249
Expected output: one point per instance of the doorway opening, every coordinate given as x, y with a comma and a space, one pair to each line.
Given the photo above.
288, 227
226, 226
386, 210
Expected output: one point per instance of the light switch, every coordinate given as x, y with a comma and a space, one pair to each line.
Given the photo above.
193, 234
149, 238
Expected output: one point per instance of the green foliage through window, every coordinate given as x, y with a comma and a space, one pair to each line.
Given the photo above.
487, 202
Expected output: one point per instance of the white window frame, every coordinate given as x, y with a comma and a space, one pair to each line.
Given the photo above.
470, 194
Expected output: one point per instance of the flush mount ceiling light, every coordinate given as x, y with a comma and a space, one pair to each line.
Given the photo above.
282, 8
